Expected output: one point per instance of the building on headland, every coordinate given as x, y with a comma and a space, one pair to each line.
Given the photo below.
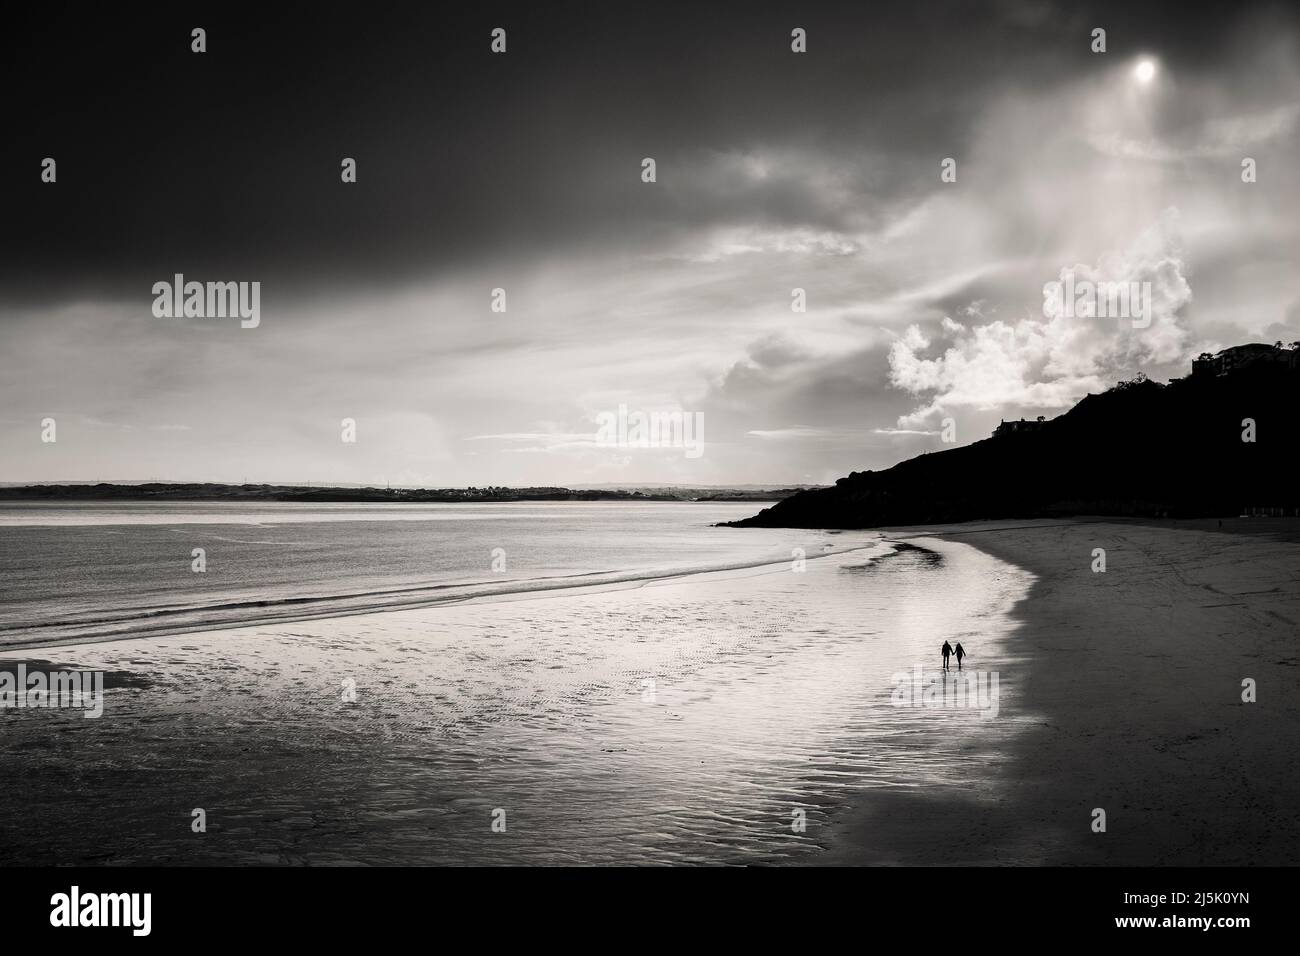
1240, 356
1024, 425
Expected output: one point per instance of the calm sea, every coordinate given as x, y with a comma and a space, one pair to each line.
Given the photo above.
98, 570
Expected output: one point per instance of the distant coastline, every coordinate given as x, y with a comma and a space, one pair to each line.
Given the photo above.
211, 491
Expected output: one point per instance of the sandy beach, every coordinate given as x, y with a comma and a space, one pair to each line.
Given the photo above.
684, 721
1129, 686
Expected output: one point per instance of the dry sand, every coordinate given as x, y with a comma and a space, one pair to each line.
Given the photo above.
1128, 687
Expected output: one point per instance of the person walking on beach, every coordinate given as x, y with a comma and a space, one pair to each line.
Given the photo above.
947, 651
960, 652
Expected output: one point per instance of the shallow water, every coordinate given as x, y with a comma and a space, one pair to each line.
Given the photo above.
666, 721
101, 569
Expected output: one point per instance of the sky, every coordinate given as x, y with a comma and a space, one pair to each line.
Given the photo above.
522, 171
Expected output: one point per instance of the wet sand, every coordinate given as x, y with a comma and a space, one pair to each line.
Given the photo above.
1129, 692
688, 721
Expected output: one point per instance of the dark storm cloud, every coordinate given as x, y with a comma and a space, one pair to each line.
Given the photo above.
227, 163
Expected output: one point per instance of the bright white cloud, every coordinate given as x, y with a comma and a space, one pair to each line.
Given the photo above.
1051, 360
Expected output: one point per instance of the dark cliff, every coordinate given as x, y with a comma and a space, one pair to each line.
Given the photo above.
1140, 448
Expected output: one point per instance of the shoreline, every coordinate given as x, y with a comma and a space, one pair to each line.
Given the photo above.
420, 598
1129, 686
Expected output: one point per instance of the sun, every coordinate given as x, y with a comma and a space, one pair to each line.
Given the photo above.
1145, 71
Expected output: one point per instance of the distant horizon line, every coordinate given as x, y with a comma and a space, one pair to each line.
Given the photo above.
608, 485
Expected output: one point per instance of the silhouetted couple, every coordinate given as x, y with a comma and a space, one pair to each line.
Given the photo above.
948, 652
